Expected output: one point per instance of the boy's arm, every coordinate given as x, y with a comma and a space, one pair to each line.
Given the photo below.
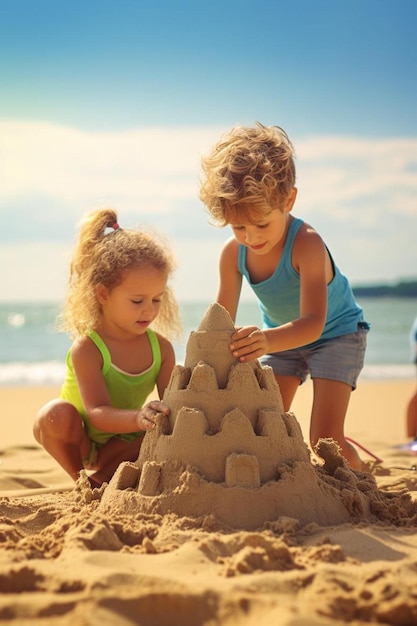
311, 260
230, 285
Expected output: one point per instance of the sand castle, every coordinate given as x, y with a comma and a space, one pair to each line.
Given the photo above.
229, 450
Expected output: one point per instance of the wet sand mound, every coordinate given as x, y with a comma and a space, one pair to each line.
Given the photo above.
229, 450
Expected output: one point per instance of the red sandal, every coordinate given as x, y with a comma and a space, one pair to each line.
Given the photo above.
377, 459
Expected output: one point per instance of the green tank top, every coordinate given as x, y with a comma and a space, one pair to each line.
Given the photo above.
127, 391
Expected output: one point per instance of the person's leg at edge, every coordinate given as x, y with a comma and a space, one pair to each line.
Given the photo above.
330, 404
411, 416
59, 428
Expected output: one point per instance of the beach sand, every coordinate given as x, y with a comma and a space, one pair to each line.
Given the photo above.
64, 561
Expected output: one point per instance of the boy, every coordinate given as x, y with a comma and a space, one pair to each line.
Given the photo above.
311, 321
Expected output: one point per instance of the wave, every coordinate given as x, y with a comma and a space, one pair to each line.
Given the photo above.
386, 371
53, 373
21, 373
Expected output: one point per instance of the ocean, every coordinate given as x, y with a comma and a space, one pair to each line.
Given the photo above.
32, 351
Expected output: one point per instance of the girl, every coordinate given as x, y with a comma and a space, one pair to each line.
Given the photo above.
311, 321
117, 289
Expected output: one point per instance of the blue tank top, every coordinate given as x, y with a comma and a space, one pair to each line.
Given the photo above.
279, 295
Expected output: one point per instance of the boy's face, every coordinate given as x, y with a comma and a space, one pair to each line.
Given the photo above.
262, 235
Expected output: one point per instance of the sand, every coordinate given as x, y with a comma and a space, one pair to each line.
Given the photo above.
66, 559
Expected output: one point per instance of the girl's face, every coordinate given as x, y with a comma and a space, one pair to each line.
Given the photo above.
135, 303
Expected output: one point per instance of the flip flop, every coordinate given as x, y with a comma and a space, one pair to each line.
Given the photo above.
377, 459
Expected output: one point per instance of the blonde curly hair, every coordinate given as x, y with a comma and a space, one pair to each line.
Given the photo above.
248, 173
103, 253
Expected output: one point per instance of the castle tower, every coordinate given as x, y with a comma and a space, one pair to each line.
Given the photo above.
213, 381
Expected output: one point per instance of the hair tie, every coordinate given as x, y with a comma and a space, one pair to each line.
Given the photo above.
111, 229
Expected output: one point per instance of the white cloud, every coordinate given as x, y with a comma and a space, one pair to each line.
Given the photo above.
80, 168
34, 271
360, 194
341, 176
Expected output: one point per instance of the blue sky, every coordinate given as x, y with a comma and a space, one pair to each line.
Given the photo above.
115, 102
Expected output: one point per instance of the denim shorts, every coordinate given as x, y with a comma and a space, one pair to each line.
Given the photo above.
340, 358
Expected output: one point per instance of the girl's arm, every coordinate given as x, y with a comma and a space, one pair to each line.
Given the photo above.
87, 363
230, 278
311, 261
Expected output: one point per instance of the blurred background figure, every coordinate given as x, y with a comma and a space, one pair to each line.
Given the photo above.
412, 403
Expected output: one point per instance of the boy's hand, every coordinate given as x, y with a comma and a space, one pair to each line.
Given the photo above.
248, 343
148, 415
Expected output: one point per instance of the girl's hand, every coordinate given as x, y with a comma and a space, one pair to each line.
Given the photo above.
147, 416
249, 343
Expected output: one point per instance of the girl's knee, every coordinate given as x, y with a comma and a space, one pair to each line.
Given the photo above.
58, 419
